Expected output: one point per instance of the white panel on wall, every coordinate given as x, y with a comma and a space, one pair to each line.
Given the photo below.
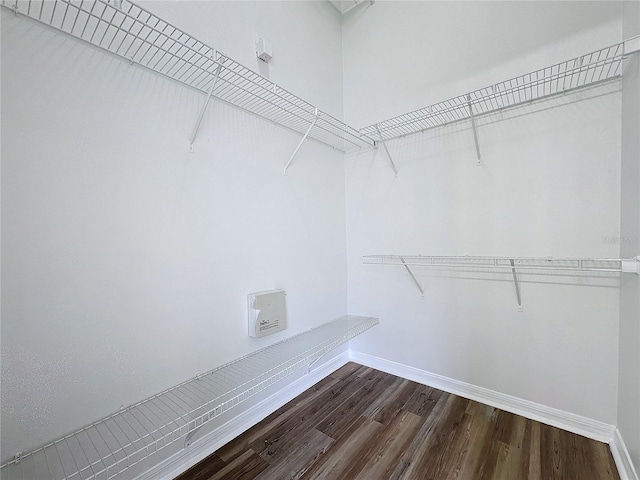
267, 312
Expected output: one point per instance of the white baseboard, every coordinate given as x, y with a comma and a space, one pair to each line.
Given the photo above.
584, 426
246, 419
622, 458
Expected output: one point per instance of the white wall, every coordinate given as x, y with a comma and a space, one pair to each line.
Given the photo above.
549, 186
629, 375
126, 261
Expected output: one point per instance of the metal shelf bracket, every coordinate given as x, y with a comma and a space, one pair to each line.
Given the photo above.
188, 440
393, 165
295, 152
475, 130
311, 363
515, 283
203, 110
413, 277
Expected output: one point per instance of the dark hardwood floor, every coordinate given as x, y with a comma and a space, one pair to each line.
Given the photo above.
360, 423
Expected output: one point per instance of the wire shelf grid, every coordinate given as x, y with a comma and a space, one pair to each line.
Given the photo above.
116, 443
129, 31
612, 265
587, 70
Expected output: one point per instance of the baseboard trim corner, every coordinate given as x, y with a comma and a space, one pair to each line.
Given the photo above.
580, 425
621, 456
182, 461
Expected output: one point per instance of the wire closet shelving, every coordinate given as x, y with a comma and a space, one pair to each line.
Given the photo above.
114, 444
612, 265
129, 31
506, 264
586, 70
589, 70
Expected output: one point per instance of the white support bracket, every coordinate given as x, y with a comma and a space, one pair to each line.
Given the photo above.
312, 363
194, 134
475, 130
188, 440
413, 277
295, 152
515, 282
631, 266
393, 165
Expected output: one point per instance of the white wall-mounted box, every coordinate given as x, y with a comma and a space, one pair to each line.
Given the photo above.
267, 312
264, 51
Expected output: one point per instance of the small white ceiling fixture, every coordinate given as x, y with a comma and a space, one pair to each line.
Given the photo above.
343, 6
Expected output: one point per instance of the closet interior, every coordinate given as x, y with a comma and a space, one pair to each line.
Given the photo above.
142, 435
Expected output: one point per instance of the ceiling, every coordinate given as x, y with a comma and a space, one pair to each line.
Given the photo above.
343, 6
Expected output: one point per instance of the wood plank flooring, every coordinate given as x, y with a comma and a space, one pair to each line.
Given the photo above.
363, 424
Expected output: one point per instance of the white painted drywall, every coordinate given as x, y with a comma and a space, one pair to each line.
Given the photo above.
549, 186
629, 373
126, 260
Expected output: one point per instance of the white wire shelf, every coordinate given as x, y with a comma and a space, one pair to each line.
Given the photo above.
137, 35
587, 70
570, 266
612, 265
114, 444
